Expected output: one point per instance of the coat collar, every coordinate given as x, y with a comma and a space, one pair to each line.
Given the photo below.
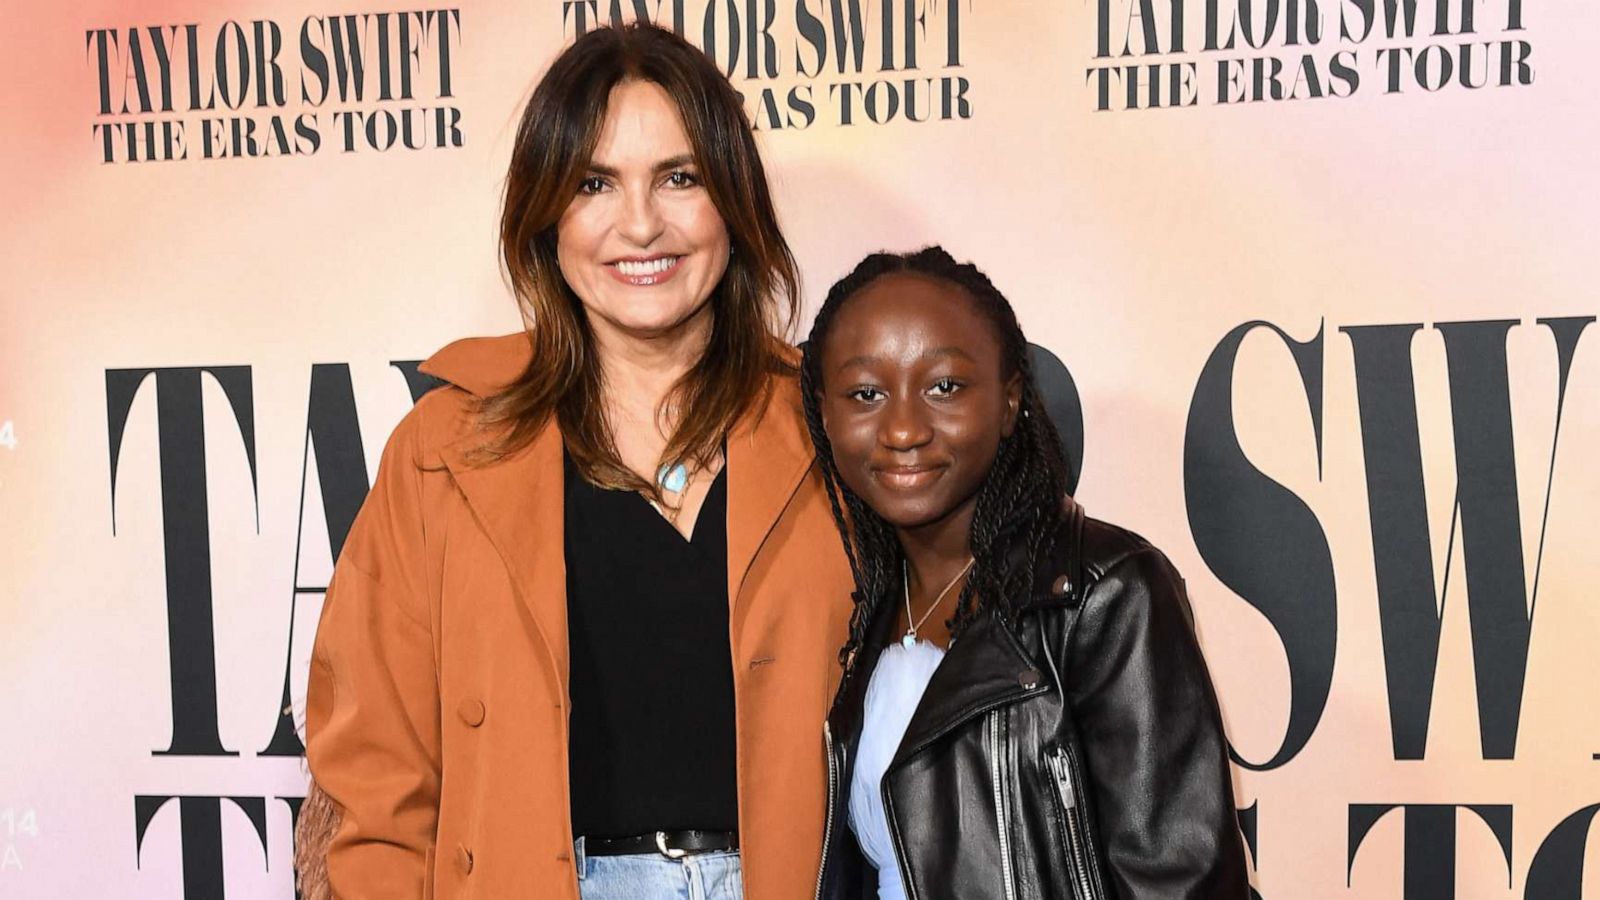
769, 454
518, 500
988, 667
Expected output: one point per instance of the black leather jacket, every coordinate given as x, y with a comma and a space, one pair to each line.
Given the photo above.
1076, 752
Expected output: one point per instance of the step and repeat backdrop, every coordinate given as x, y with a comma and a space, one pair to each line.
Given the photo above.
1321, 272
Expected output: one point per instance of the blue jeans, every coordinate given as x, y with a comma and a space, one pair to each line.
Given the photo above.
650, 876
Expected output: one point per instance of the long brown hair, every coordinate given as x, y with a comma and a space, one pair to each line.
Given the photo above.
752, 306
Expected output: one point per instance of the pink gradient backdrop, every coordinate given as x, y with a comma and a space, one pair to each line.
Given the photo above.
1131, 242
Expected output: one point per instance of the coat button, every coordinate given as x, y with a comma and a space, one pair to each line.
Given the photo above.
1061, 586
463, 859
471, 712
1028, 678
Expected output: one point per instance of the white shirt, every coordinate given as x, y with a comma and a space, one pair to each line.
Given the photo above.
898, 681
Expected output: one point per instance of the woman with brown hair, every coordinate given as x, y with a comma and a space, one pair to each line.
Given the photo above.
572, 646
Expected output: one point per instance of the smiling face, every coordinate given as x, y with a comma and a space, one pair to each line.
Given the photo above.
641, 244
916, 399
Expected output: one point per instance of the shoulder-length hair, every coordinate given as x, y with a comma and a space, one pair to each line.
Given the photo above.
752, 306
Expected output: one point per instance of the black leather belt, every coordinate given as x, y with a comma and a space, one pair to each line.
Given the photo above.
673, 844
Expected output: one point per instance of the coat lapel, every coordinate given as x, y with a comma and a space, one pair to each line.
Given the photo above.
769, 454
986, 668
519, 503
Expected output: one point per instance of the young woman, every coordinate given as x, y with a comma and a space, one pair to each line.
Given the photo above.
1024, 712
572, 646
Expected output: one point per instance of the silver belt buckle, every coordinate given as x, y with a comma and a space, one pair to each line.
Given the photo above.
670, 853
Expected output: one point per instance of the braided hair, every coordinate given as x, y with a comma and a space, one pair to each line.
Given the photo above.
1018, 507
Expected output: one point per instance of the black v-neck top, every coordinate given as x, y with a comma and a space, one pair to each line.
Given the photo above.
652, 723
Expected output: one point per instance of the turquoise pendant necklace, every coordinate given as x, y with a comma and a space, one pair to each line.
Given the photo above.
673, 477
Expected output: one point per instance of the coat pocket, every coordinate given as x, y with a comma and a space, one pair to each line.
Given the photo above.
1074, 824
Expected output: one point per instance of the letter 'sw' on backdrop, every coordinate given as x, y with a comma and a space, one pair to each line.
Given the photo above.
1319, 275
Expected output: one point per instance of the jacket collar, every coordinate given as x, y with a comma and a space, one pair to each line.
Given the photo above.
518, 500
988, 667
1059, 578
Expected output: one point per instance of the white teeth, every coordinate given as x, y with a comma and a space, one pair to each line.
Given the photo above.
650, 267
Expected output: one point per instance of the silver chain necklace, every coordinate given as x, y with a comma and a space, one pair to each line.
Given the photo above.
910, 637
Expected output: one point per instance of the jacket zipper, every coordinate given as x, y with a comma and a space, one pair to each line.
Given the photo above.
833, 789
997, 752
1066, 790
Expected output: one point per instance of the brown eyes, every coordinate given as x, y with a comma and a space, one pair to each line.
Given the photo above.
943, 388
677, 178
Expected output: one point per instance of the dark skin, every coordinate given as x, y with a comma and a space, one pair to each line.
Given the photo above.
916, 399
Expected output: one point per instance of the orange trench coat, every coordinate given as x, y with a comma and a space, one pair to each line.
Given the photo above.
437, 705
